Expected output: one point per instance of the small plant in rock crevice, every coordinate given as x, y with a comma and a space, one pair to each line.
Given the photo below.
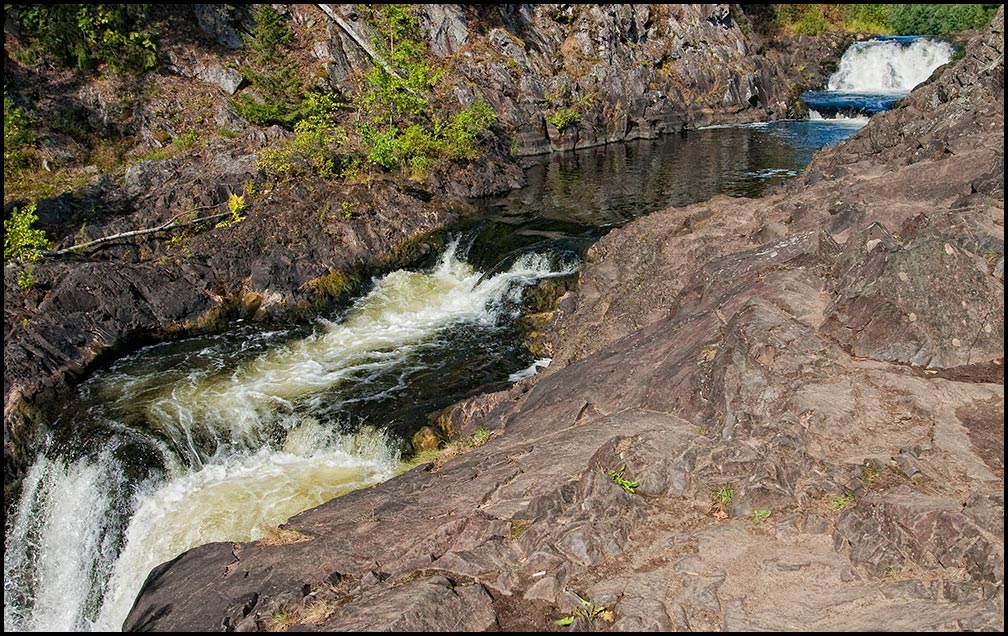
617, 477
721, 499
842, 501
22, 239
236, 206
588, 610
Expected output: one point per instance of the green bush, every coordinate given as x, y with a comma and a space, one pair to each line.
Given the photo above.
939, 19
866, 18
565, 118
271, 72
398, 85
21, 239
901, 19
313, 147
462, 133
381, 145
88, 35
397, 124
18, 136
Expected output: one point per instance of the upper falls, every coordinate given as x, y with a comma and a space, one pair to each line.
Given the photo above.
873, 75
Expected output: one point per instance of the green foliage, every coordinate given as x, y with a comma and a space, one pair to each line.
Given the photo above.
480, 436
396, 126
565, 118
85, 36
899, 19
939, 19
622, 482
18, 136
21, 239
236, 205
588, 610
721, 498
397, 87
462, 132
808, 19
566, 109
869, 474
185, 141
759, 516
841, 502
271, 72
26, 277
313, 147
866, 18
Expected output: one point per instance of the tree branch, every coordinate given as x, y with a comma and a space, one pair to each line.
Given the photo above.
170, 224
343, 24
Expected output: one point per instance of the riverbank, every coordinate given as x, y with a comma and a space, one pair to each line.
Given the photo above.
781, 413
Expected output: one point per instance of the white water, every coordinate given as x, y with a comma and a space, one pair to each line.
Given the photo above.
888, 66
531, 370
82, 539
839, 119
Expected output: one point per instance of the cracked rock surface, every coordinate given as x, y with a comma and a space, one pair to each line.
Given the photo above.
831, 355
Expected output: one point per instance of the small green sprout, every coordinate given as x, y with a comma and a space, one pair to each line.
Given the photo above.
625, 484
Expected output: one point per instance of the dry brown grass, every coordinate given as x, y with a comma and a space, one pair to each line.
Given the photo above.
282, 536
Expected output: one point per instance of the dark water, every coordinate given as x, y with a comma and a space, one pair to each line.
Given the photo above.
575, 198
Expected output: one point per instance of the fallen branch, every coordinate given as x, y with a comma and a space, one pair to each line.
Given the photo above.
336, 17
170, 224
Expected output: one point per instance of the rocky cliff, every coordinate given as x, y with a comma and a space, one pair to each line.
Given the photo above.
772, 414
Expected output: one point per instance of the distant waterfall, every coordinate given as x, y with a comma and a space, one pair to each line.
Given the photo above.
889, 65
873, 75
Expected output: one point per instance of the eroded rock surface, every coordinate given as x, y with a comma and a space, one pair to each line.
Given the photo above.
808, 389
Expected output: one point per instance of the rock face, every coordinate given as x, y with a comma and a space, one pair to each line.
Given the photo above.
807, 388
565, 76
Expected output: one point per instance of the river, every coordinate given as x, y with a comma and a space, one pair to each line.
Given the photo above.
223, 437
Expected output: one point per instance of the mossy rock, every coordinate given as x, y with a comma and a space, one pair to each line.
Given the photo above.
425, 440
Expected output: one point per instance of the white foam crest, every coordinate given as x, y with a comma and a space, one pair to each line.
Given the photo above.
237, 498
531, 370
888, 66
840, 119
404, 310
59, 520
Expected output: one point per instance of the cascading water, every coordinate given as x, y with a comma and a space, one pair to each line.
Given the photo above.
210, 446
873, 75
225, 436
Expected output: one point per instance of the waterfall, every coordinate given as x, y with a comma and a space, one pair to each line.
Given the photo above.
873, 75
228, 445
888, 65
